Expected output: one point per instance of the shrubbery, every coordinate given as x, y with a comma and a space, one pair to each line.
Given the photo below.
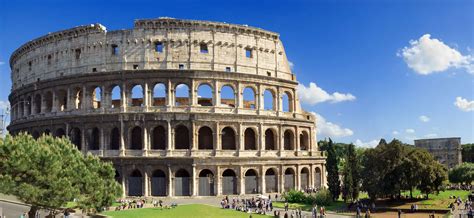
322, 197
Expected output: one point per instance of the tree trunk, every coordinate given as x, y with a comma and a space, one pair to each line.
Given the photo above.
411, 193
32, 212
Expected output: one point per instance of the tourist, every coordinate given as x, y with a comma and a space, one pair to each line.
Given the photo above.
399, 213
286, 205
314, 211
358, 212
367, 213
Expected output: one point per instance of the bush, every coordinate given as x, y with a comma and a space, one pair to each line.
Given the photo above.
322, 197
294, 196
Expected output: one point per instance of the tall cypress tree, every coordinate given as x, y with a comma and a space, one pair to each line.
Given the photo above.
333, 172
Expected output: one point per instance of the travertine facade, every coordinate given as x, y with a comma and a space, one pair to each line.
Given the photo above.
134, 97
446, 150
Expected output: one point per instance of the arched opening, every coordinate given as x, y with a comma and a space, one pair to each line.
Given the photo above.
304, 179
62, 100
288, 140
287, 100
250, 140
229, 182
97, 98
37, 104
136, 96
317, 178
205, 138
158, 138
77, 95
60, 133
289, 179
75, 137
181, 137
158, 183
228, 139
304, 141
271, 181
48, 102
116, 97
181, 95
115, 139
227, 96
117, 177
135, 184
251, 182
269, 140
47, 132
94, 139
159, 95
182, 183
35, 134
249, 98
205, 95
268, 100
136, 142
206, 183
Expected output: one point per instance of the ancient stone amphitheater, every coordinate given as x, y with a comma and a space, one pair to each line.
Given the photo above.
181, 107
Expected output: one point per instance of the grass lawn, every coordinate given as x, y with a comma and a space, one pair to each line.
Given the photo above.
335, 206
436, 201
189, 210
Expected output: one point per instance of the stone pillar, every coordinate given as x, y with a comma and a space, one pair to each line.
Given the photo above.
102, 142
281, 180
146, 181
217, 139
146, 144
170, 94
146, 96
262, 180
124, 189
124, 102
194, 138
298, 177
122, 137
297, 140
242, 181
311, 176
216, 94
280, 140
218, 177
193, 101
261, 139
70, 102
170, 181
193, 182
240, 132
83, 140
259, 98
170, 134
239, 96
54, 105
85, 100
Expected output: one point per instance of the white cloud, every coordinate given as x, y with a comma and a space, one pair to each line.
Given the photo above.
313, 95
292, 65
2, 63
431, 135
464, 104
424, 118
181, 86
4, 105
410, 131
395, 132
429, 55
327, 129
369, 144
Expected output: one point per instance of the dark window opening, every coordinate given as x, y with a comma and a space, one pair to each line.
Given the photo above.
115, 50
269, 73
135, 66
227, 69
78, 53
203, 48
94, 69
159, 47
181, 66
29, 66
49, 59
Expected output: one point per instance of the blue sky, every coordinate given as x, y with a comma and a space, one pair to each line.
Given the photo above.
360, 49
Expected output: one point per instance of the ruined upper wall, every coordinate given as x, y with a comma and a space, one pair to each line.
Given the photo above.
90, 49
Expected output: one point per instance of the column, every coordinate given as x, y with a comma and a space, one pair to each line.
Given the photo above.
262, 180
261, 139
280, 140
124, 102
170, 134
146, 145
146, 96
170, 181
85, 100
242, 181
194, 143
259, 99
239, 96
216, 94
240, 133
169, 94
193, 94
146, 178
193, 182
298, 178
281, 180
83, 140
311, 176
104, 100
217, 138
218, 177
54, 105
69, 103
122, 137
124, 193
297, 140
101, 142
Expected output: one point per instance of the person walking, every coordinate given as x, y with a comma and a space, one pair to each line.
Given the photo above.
286, 205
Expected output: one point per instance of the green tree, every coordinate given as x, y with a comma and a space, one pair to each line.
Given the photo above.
49, 172
463, 173
468, 153
351, 173
334, 183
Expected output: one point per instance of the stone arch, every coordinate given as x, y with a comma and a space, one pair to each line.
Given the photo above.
94, 139
250, 139
270, 137
136, 138
317, 178
229, 182
227, 95
158, 138
77, 98
75, 137
62, 100
136, 96
135, 183
288, 140
287, 102
37, 104
206, 183
304, 141
35, 134
47, 132
205, 95
115, 139
96, 97
304, 178
181, 137
118, 176
271, 180
181, 93
249, 98
115, 96
289, 179
269, 100
159, 94
182, 183
158, 183
251, 182
228, 139
60, 133
48, 101
205, 138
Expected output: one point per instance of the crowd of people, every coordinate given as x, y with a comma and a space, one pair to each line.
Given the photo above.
259, 205
130, 204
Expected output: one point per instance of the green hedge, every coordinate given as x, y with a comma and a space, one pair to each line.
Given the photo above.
322, 197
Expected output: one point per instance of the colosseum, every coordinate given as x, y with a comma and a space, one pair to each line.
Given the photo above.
180, 107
